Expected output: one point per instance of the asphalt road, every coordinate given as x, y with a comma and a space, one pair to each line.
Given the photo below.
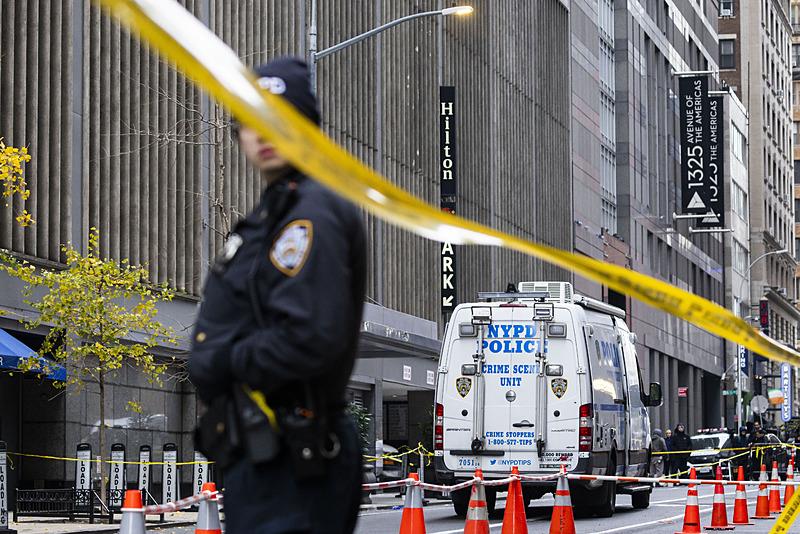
665, 516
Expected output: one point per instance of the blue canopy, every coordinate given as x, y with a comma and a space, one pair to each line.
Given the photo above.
13, 351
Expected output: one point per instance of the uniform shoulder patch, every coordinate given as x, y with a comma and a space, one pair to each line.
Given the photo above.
290, 249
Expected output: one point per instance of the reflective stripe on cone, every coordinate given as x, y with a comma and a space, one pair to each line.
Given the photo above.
514, 520
789, 491
132, 514
719, 512
208, 513
413, 520
477, 515
775, 492
762, 503
562, 521
691, 516
740, 516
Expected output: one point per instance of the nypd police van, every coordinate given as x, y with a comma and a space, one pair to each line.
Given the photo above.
535, 378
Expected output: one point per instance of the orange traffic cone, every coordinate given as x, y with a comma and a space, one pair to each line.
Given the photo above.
775, 492
740, 504
789, 491
562, 521
719, 511
208, 513
132, 514
413, 520
514, 521
762, 503
477, 515
691, 517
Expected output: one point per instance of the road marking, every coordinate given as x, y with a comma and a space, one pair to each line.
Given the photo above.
664, 520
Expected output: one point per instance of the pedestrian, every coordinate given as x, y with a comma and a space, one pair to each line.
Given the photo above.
739, 446
275, 344
657, 460
682, 447
668, 457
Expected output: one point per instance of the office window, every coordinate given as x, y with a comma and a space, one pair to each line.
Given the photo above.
795, 55
796, 133
739, 260
726, 49
795, 14
726, 8
737, 143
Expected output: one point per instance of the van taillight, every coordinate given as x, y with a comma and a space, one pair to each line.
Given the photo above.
438, 428
585, 428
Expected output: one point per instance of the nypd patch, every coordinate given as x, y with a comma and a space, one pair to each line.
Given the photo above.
291, 248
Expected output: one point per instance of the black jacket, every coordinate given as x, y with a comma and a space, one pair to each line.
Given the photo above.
299, 260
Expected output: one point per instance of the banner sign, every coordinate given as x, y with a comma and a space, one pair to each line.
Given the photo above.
447, 178
83, 467
169, 474
786, 387
117, 482
715, 165
200, 472
695, 132
144, 469
3, 488
744, 360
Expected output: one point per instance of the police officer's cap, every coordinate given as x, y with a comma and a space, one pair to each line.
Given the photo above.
289, 78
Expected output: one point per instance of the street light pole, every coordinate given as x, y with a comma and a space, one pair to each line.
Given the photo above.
745, 278
314, 56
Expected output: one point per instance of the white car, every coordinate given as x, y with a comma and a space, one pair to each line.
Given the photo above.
706, 449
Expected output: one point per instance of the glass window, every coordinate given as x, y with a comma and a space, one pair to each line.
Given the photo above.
795, 55
726, 50
726, 8
737, 143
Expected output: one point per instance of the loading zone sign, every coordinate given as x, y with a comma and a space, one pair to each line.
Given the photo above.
169, 476
3, 489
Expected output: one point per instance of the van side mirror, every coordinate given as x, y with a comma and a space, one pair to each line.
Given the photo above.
656, 397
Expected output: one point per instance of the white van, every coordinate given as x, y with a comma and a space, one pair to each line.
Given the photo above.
536, 379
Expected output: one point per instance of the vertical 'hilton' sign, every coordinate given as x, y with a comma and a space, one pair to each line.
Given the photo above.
447, 177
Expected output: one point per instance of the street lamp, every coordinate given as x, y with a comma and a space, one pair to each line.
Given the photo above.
315, 56
746, 277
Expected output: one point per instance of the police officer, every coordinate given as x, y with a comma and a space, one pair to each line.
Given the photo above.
275, 344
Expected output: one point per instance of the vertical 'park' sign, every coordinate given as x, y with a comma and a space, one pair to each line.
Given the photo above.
447, 178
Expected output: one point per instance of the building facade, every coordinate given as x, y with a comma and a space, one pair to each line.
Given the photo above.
626, 166
122, 142
755, 61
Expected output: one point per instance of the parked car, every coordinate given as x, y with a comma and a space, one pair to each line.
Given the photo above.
392, 469
708, 448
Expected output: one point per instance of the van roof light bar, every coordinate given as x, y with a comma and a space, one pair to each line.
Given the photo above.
491, 296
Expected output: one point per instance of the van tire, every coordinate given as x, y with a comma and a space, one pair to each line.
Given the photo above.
641, 500
609, 500
460, 500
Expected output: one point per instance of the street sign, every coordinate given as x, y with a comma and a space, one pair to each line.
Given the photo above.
728, 392
759, 404
169, 474
117, 482
683, 391
144, 468
83, 467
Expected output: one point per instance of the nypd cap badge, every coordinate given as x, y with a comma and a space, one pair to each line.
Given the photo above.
292, 246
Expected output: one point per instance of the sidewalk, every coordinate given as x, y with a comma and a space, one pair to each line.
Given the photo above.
33, 525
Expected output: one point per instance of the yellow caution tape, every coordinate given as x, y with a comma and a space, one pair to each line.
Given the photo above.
756, 448
785, 520
97, 460
201, 55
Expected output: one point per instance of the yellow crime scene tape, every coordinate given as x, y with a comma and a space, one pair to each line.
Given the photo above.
787, 517
202, 56
98, 460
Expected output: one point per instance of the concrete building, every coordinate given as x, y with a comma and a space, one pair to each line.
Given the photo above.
755, 61
626, 169
123, 142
